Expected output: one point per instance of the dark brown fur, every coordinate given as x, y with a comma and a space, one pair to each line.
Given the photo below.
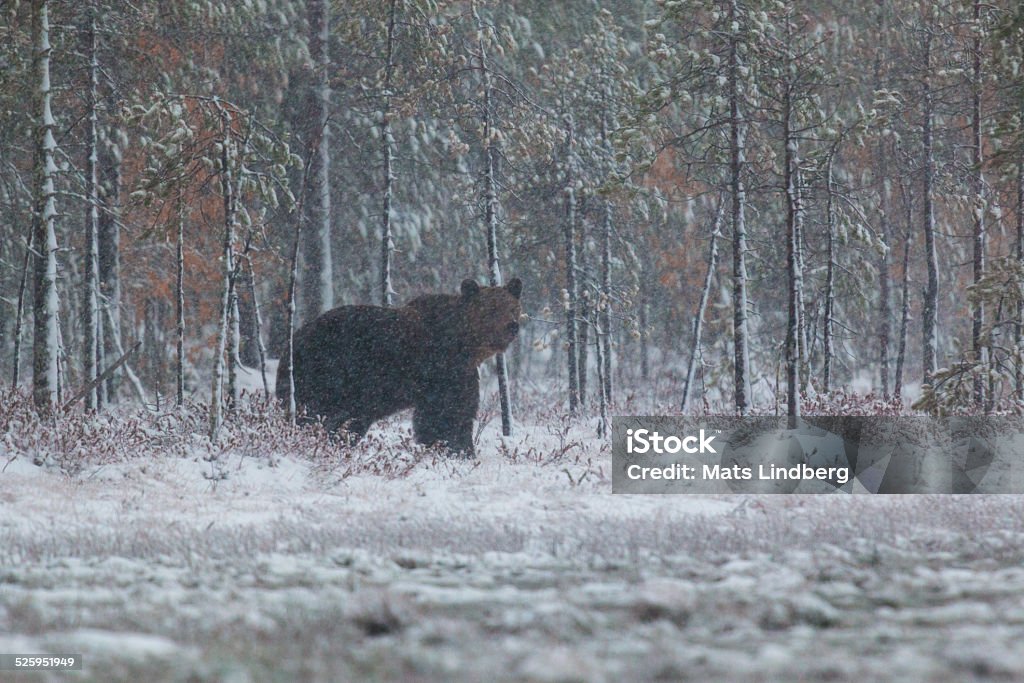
357, 364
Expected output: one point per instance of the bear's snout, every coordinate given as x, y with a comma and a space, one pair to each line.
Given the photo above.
512, 328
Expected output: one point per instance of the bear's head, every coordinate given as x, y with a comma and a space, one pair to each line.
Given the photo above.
491, 316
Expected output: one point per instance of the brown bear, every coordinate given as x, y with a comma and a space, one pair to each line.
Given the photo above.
357, 364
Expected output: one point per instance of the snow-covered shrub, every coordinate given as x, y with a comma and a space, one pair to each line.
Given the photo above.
844, 402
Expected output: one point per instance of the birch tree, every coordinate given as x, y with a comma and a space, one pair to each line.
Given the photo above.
707, 75
203, 142
387, 142
702, 302
737, 164
318, 272
828, 340
570, 294
45, 345
884, 276
90, 319
606, 86
228, 266
491, 137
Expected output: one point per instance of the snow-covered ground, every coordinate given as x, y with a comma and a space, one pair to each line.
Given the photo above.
387, 564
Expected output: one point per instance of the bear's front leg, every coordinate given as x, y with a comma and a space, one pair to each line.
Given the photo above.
445, 413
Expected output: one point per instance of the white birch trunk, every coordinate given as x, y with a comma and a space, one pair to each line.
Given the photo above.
803, 342
217, 382
318, 281
387, 143
491, 208
570, 267
792, 266
830, 278
583, 312
46, 342
90, 310
604, 317
737, 154
293, 280
884, 277
698, 318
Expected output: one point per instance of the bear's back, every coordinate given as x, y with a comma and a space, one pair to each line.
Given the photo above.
356, 356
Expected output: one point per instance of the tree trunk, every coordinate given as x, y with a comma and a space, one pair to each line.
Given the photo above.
698, 318
737, 155
792, 267
90, 309
234, 361
318, 280
387, 143
19, 319
227, 191
293, 277
604, 303
258, 328
46, 342
570, 267
248, 327
1018, 328
154, 344
119, 352
292, 309
491, 208
109, 243
643, 315
884, 293
929, 351
905, 299
884, 277
977, 190
583, 315
830, 278
179, 307
602, 425
803, 342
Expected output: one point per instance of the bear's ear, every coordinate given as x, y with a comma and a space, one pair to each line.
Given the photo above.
515, 287
470, 289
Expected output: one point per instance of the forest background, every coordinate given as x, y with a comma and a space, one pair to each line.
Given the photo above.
715, 205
